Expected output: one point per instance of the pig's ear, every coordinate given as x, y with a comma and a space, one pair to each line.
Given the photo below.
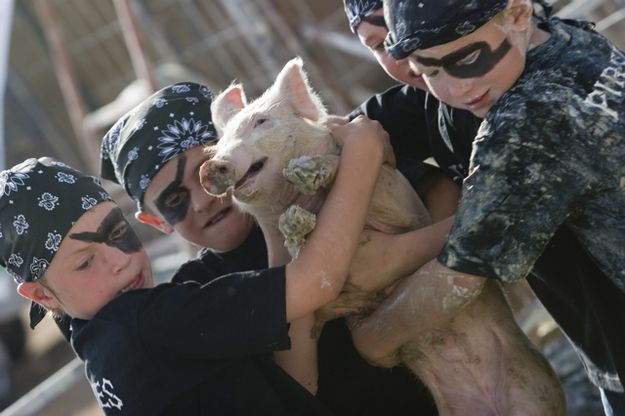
226, 104
292, 82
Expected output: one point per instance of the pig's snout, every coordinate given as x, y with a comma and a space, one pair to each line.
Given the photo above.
216, 176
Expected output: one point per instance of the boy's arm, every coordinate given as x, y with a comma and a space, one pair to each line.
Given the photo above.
326, 274
317, 276
439, 194
385, 257
300, 361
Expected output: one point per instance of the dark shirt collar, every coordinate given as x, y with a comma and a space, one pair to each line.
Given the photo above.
547, 53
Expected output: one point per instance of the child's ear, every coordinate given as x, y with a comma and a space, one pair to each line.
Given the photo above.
154, 221
519, 14
38, 293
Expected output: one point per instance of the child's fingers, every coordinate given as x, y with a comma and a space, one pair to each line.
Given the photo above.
376, 130
361, 128
365, 129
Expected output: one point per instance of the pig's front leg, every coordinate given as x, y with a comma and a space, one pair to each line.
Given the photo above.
295, 224
431, 295
308, 174
356, 304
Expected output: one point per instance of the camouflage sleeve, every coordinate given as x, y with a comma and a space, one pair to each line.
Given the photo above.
524, 179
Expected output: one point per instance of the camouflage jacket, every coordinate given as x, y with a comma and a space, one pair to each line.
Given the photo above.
550, 152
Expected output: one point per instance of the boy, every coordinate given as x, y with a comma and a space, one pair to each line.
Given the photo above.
421, 126
171, 199
82, 259
548, 153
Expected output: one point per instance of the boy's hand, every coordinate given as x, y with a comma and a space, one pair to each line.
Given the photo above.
365, 132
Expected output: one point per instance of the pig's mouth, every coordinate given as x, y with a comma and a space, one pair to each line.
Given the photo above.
254, 169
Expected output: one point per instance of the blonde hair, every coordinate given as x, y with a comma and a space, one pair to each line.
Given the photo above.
504, 24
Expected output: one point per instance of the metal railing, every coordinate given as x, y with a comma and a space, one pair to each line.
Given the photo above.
36, 400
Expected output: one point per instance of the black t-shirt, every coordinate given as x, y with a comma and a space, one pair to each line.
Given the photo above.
578, 295
191, 349
421, 127
348, 385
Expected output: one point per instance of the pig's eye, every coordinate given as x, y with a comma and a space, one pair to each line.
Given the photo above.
260, 121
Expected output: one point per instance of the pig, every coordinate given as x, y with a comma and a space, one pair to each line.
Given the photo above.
278, 159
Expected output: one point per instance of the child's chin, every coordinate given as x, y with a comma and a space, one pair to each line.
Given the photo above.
417, 82
480, 113
420, 83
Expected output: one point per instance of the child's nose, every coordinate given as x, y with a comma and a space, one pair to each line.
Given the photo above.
458, 87
200, 200
119, 259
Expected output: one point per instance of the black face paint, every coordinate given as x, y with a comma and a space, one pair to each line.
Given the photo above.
173, 203
485, 59
114, 231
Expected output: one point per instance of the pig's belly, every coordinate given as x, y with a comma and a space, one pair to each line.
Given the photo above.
480, 363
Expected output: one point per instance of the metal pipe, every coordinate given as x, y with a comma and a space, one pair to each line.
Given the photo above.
610, 20
578, 8
255, 31
293, 44
339, 41
134, 43
87, 140
53, 387
41, 124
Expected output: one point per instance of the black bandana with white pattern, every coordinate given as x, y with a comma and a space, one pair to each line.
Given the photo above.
358, 10
40, 200
422, 24
171, 121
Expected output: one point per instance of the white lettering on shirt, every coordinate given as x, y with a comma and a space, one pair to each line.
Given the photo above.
104, 393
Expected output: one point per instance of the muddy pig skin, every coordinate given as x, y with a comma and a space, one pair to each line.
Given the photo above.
277, 157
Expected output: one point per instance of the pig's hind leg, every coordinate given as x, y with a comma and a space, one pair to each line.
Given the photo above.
308, 174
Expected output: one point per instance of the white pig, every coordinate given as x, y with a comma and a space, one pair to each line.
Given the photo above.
277, 151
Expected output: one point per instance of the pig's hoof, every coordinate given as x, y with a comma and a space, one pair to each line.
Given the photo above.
308, 174
295, 224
